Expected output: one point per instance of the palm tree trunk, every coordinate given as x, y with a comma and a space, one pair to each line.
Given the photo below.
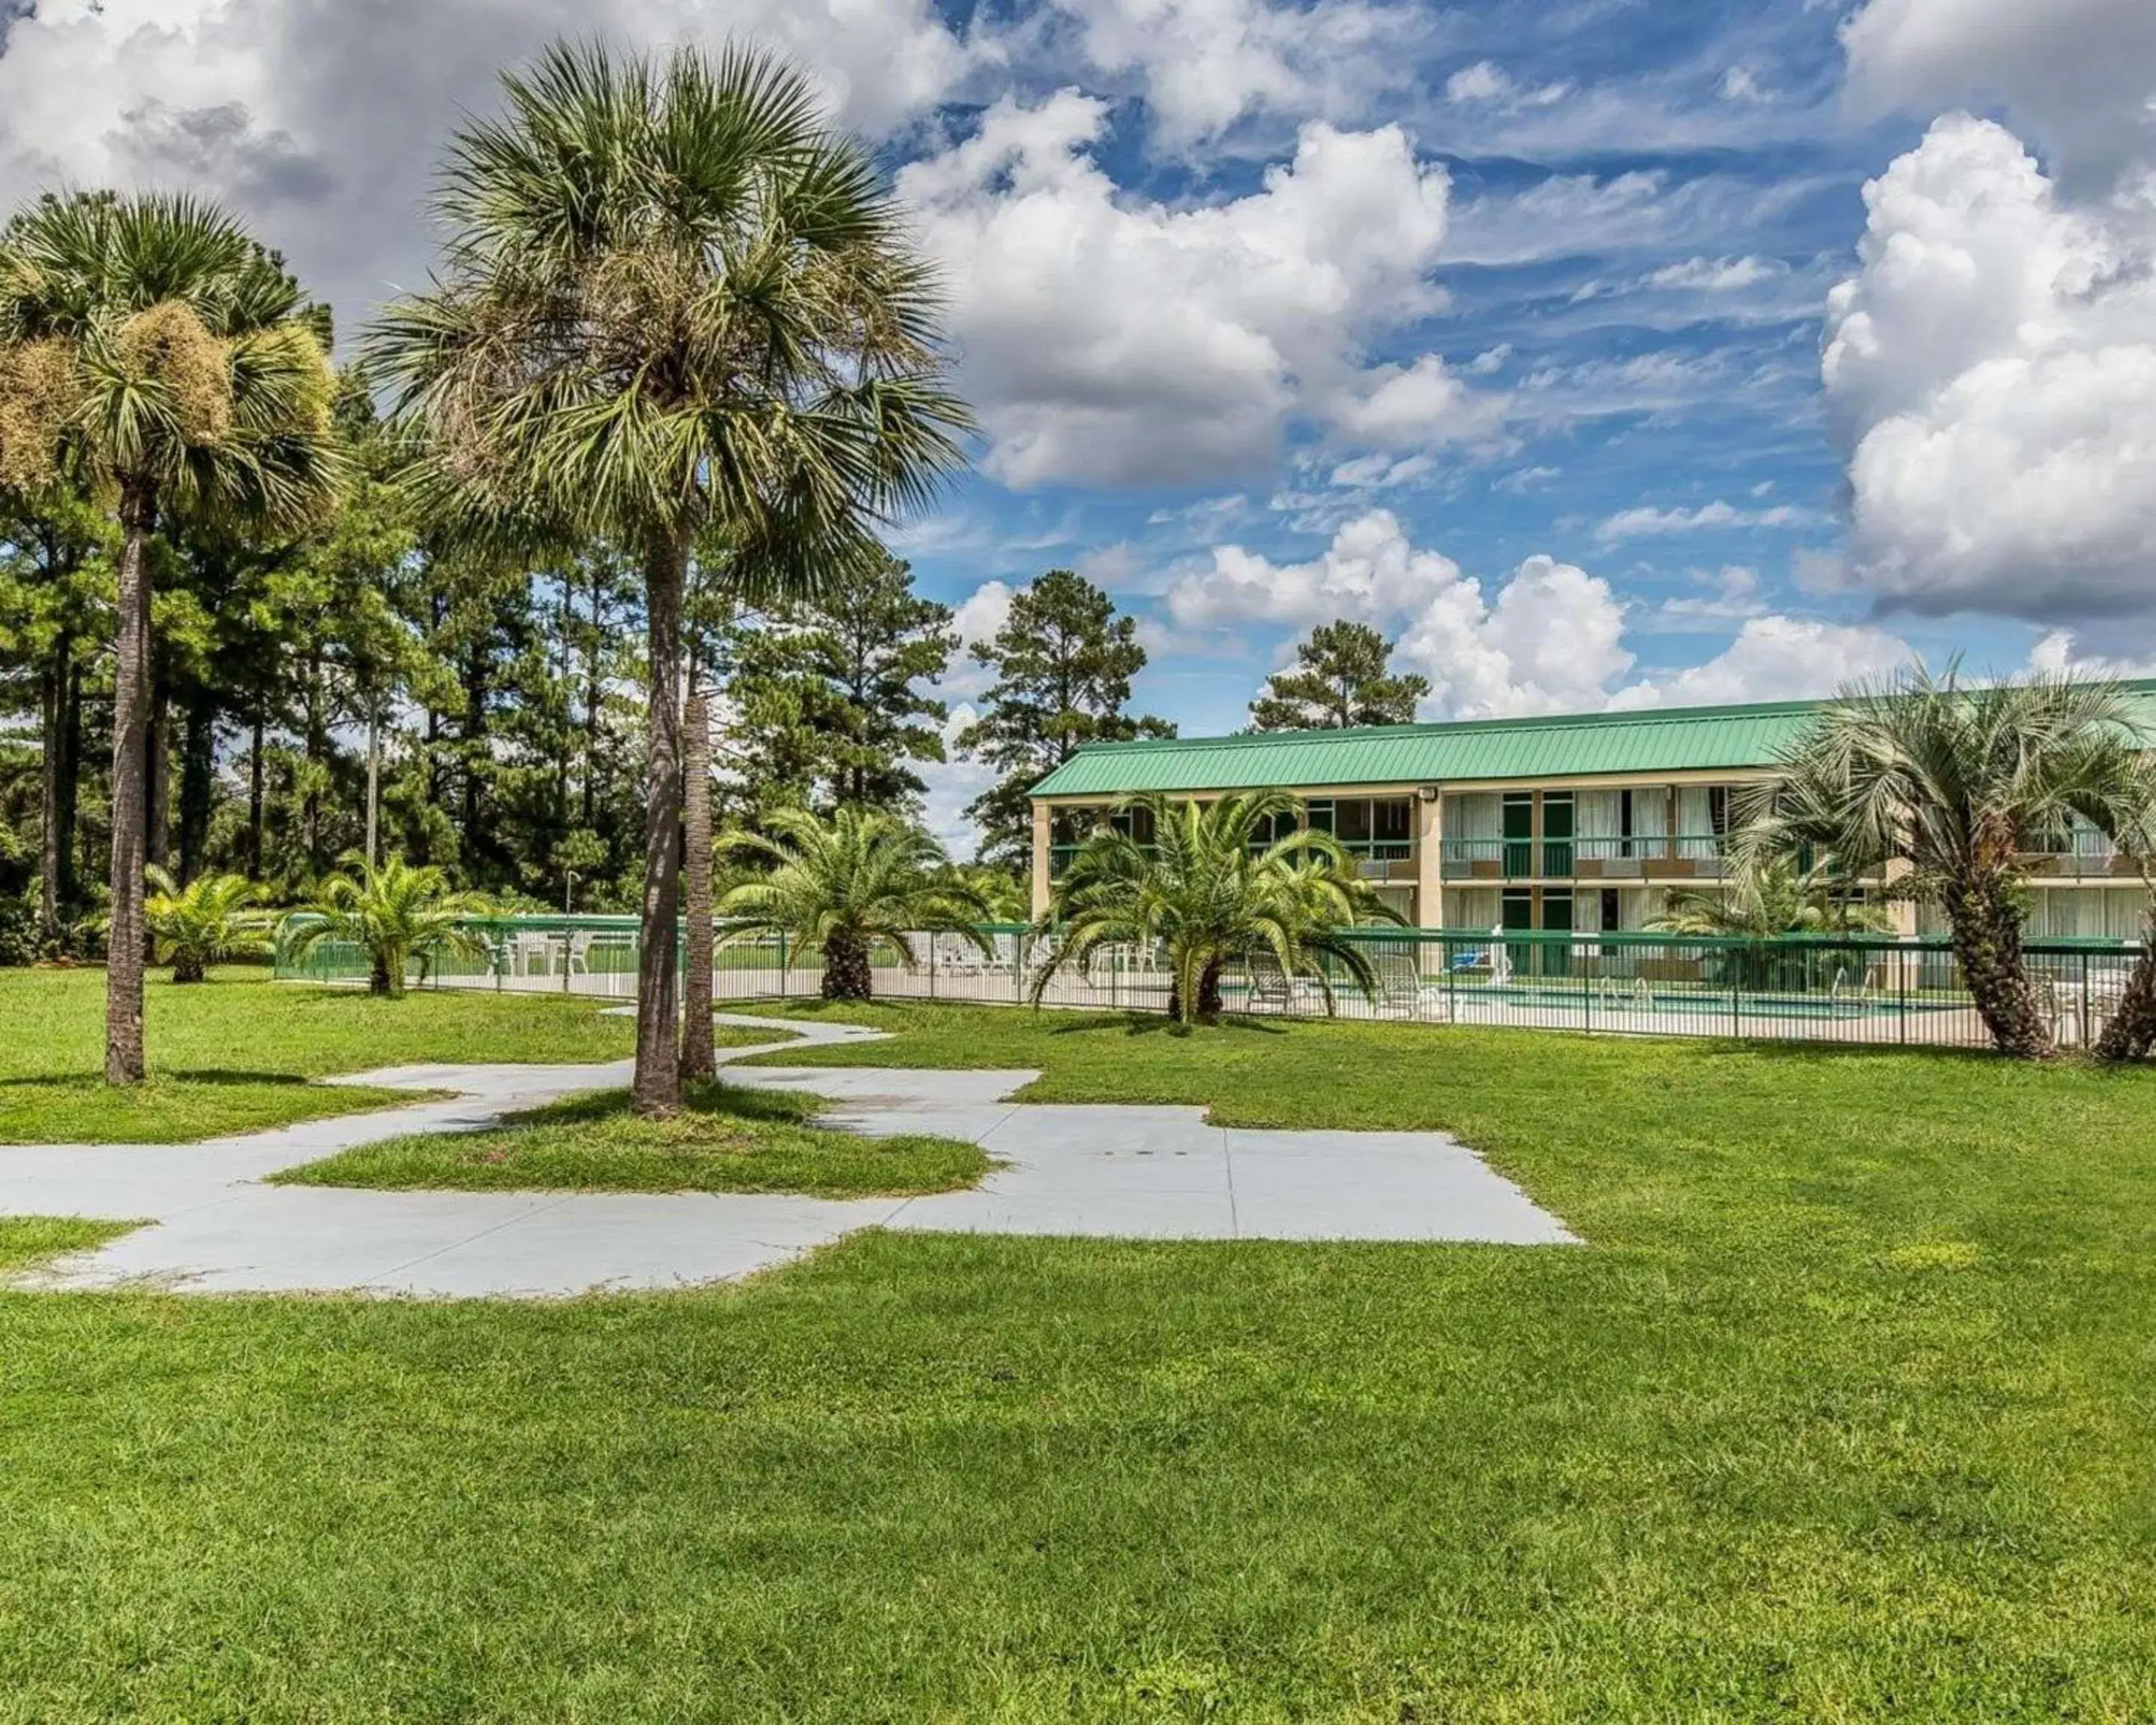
697, 1060
1208, 990
124, 1060
187, 967
656, 1089
1986, 940
380, 978
846, 974
53, 835
2132, 1031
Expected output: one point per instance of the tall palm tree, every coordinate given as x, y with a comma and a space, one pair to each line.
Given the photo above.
212, 919
674, 306
1216, 884
837, 887
152, 349
1955, 785
394, 913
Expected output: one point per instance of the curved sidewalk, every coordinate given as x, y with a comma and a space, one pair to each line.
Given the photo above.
1113, 1171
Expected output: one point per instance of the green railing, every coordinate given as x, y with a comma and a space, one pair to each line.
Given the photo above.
1688, 856
1865, 988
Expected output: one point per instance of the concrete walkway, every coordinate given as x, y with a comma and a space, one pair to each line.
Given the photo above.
1110, 1171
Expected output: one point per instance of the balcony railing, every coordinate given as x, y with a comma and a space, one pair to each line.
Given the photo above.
2078, 856
1697, 856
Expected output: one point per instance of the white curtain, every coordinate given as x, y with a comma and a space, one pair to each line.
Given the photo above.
1597, 815
1477, 815
1694, 824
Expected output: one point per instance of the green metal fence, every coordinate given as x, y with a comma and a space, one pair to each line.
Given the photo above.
1855, 989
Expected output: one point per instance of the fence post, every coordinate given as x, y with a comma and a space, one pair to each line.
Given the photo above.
1902, 986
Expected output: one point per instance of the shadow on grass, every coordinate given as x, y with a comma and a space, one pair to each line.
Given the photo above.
727, 1101
206, 1075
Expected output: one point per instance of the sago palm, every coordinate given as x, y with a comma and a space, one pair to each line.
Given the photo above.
837, 887
153, 353
1946, 789
396, 914
213, 919
1215, 886
675, 307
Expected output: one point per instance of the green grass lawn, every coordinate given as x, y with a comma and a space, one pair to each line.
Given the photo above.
725, 1139
235, 1054
1846, 1412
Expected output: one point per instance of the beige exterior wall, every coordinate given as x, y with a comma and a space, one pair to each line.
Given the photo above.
1040, 819
1474, 903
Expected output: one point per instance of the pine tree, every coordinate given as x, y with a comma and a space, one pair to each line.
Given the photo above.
1064, 661
830, 699
1341, 677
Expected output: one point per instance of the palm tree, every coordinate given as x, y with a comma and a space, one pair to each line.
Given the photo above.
675, 306
1776, 897
837, 887
151, 349
394, 913
1946, 789
1216, 884
212, 919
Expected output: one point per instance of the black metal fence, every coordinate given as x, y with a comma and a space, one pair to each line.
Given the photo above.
1855, 988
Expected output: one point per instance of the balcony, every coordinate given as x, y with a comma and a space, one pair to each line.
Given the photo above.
1686, 857
2078, 856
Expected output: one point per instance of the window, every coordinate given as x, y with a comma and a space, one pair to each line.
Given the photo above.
1718, 810
1624, 826
1350, 821
1612, 914
1392, 820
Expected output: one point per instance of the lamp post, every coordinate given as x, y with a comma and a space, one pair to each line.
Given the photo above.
568, 891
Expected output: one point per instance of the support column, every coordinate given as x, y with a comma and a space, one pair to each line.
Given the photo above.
1041, 820
1429, 861
1903, 910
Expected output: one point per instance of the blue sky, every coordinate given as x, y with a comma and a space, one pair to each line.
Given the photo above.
1561, 340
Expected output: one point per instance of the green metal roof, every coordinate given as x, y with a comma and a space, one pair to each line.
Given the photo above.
1661, 741
1571, 745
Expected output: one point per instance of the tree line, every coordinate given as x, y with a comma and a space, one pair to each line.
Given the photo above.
629, 461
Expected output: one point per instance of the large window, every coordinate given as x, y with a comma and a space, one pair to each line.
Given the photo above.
1378, 829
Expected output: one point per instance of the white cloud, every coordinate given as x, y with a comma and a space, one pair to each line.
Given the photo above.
1775, 658
1204, 64
1991, 369
1717, 516
1370, 574
1118, 340
953, 782
1741, 84
981, 613
1730, 594
2074, 74
1546, 640
1549, 642
321, 124
1717, 275
1485, 81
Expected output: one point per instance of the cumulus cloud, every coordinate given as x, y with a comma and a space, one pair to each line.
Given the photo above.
953, 782
1547, 637
1543, 640
2074, 74
1204, 64
1775, 658
1647, 521
322, 124
1115, 339
1992, 370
